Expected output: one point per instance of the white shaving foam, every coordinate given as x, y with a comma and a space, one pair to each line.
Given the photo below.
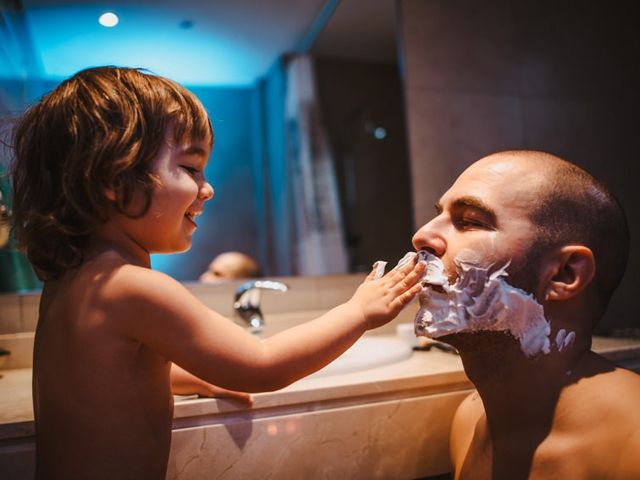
379, 267
479, 301
564, 339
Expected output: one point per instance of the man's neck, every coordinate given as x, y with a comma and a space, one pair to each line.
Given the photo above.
518, 392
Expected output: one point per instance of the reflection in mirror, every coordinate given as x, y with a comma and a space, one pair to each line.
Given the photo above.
16, 274
231, 266
240, 60
361, 100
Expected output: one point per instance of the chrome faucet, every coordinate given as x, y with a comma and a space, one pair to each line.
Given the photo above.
247, 301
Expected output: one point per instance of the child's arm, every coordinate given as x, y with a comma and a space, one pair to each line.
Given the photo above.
158, 311
185, 383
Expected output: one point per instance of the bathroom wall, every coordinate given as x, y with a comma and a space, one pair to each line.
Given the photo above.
557, 76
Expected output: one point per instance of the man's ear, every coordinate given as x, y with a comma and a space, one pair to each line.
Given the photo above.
570, 271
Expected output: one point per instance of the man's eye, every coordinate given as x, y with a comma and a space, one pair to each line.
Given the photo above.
469, 223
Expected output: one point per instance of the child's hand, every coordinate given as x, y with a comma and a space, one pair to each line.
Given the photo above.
381, 300
186, 383
218, 392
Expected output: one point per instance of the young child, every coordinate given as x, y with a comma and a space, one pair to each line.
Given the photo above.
109, 167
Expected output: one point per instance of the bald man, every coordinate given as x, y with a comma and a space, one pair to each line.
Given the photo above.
529, 248
229, 266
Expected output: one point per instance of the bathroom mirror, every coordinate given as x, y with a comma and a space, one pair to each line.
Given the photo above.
4, 226
353, 47
360, 89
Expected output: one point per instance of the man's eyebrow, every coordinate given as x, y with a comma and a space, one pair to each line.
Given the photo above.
476, 203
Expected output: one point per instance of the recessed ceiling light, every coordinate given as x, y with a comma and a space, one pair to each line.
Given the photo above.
108, 19
380, 133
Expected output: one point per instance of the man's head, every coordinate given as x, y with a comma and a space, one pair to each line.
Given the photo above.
563, 232
230, 265
96, 132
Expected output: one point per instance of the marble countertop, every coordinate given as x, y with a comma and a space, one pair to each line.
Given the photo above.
423, 373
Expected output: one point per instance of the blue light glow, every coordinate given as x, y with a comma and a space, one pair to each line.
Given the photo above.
69, 39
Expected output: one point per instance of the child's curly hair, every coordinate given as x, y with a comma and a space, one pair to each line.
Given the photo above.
96, 132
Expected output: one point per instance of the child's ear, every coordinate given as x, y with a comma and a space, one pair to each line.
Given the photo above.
110, 193
569, 272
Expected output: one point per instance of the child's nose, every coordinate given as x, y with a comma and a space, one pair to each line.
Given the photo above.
206, 192
428, 238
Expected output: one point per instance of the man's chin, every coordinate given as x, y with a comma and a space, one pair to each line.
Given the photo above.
454, 339
478, 340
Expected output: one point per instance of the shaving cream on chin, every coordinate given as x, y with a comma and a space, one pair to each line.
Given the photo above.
479, 301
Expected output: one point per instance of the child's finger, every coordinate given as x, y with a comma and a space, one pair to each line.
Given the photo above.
377, 271
408, 274
402, 300
416, 273
396, 274
242, 397
412, 278
372, 273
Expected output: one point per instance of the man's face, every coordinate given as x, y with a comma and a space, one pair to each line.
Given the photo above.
483, 218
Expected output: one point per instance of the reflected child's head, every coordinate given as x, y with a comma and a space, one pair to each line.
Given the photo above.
97, 132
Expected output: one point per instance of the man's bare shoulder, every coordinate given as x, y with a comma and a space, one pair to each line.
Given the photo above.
604, 391
469, 412
607, 383
605, 399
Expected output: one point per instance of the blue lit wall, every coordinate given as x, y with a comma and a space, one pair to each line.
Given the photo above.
147, 36
53, 42
229, 220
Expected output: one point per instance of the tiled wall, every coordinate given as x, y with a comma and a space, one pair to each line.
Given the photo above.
556, 76
18, 313
18, 318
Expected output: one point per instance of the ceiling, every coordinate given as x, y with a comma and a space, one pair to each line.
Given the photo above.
205, 42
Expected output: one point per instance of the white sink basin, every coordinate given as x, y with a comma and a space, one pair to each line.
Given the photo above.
368, 352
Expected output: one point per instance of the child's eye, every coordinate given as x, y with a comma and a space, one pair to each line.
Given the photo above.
191, 170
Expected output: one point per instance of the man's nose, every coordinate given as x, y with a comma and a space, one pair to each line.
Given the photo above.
429, 238
206, 191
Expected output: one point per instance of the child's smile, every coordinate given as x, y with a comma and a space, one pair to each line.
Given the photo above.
177, 200
191, 216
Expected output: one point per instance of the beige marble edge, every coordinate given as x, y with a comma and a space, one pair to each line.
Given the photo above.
443, 375
433, 372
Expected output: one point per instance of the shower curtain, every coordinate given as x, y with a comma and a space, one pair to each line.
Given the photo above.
316, 232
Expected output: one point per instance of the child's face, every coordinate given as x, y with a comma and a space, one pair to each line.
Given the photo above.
169, 223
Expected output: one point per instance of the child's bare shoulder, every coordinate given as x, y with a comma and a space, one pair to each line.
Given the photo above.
131, 283
121, 287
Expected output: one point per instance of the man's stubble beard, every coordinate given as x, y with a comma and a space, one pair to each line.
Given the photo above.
523, 274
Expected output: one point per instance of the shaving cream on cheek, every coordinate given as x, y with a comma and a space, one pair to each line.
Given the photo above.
479, 301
